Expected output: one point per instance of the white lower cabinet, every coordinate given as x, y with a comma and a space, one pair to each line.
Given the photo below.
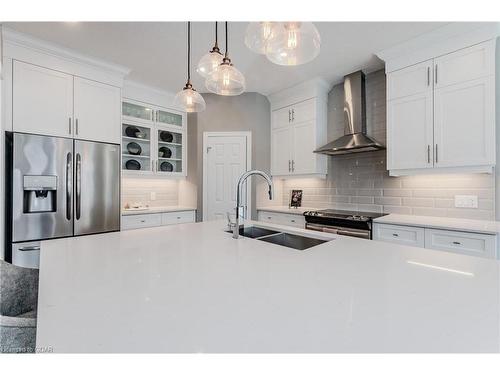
468, 243
141, 221
282, 219
483, 245
157, 219
411, 236
180, 217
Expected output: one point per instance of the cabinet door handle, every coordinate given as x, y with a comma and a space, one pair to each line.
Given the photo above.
436, 156
456, 243
428, 154
293, 165
436, 74
289, 115
69, 125
289, 165
76, 126
395, 235
293, 115
428, 76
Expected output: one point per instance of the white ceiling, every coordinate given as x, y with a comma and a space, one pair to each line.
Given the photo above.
156, 51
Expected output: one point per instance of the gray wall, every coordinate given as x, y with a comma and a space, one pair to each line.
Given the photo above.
361, 181
246, 112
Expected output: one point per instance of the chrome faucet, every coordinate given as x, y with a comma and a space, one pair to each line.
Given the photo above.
236, 226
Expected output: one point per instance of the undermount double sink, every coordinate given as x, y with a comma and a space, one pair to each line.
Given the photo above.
293, 241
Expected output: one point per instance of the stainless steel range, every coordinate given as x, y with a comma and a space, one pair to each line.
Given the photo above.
347, 223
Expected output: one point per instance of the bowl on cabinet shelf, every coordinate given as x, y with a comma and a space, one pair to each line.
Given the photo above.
166, 136
134, 148
164, 152
132, 165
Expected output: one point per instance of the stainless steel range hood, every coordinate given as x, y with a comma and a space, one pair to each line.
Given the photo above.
355, 138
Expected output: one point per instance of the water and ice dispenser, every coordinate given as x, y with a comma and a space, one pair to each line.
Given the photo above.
40, 194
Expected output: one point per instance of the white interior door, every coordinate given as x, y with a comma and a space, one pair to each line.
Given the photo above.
225, 161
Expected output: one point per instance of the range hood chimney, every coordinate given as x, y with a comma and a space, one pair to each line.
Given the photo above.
355, 138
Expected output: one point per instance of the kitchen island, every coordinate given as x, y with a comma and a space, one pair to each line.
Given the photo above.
193, 288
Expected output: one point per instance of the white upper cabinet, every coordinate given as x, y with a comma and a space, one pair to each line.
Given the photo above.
415, 79
97, 111
441, 113
281, 151
42, 100
464, 124
298, 127
49, 102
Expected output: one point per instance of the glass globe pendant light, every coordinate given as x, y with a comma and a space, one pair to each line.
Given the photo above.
211, 60
226, 79
188, 99
257, 35
293, 43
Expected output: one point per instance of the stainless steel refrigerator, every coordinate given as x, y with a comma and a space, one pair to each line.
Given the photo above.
58, 187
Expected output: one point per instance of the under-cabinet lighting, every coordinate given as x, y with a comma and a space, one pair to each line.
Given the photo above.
465, 273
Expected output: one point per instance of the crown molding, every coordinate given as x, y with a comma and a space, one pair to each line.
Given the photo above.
438, 42
147, 94
26, 48
316, 87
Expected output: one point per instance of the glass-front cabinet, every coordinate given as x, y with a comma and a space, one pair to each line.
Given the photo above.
153, 140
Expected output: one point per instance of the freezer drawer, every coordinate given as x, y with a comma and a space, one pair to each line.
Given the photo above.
26, 254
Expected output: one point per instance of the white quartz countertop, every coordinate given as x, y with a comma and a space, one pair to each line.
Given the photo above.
155, 210
287, 210
193, 288
467, 225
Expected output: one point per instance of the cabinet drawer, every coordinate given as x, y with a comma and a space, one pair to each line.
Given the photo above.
282, 219
141, 221
477, 244
179, 217
404, 235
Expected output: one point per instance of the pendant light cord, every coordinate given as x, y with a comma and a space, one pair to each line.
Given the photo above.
189, 51
216, 35
226, 40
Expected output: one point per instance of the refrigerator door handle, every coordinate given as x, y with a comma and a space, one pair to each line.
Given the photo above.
68, 185
78, 185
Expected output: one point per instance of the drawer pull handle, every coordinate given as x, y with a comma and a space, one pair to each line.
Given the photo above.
293, 221
456, 243
395, 235
143, 221
178, 217
269, 217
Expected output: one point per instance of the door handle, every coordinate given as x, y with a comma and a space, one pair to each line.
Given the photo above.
29, 248
69, 125
436, 74
428, 154
78, 186
68, 186
293, 115
293, 165
428, 76
289, 165
289, 116
76, 126
436, 156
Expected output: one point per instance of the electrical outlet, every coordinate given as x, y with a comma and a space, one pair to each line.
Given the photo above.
152, 195
466, 201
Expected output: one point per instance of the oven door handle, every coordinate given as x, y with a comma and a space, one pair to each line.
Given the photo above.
354, 233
